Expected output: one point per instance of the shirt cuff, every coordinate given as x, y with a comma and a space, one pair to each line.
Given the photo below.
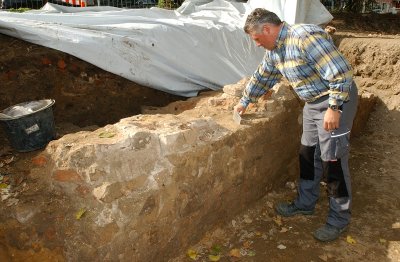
335, 102
244, 101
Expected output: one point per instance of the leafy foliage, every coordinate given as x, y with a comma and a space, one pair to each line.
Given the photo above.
169, 4
352, 6
18, 10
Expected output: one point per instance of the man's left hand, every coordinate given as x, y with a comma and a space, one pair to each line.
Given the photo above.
331, 120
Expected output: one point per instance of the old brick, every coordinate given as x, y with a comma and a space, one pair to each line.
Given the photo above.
66, 176
113, 192
96, 175
82, 190
108, 192
39, 160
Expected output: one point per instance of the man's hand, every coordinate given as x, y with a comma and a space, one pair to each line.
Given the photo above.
240, 109
331, 120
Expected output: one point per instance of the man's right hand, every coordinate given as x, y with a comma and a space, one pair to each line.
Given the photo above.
240, 109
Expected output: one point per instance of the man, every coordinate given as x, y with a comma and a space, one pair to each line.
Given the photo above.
306, 56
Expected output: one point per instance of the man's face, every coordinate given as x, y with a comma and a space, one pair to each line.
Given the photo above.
264, 38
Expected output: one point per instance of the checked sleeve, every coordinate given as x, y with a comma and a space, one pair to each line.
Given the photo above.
264, 78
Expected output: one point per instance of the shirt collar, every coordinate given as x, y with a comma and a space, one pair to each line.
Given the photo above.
282, 35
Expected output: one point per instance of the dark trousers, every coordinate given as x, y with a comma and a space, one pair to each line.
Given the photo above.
327, 153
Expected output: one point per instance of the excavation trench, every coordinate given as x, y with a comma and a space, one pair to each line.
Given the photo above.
139, 175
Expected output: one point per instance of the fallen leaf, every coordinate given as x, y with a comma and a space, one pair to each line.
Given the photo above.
284, 230
192, 254
278, 220
214, 257
12, 201
80, 213
3, 185
243, 252
19, 180
281, 246
234, 253
9, 161
216, 249
106, 134
247, 244
270, 205
6, 179
290, 185
323, 257
350, 240
251, 253
382, 241
248, 220
36, 246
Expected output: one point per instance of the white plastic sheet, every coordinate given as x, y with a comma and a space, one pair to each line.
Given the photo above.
199, 46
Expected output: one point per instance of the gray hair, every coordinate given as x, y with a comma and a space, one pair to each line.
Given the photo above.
258, 17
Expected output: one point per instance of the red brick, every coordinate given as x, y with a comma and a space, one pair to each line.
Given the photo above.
66, 176
39, 160
61, 64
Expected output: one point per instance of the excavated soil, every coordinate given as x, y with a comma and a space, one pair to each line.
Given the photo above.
87, 97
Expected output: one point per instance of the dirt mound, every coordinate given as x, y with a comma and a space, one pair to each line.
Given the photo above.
366, 23
376, 64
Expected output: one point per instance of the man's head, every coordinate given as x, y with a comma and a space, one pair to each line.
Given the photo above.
263, 26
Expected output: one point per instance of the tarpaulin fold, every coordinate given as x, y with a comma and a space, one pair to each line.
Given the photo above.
201, 45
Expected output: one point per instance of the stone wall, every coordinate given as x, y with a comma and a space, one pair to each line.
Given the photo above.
153, 184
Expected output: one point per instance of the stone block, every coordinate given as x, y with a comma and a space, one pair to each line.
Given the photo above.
68, 175
216, 101
236, 89
100, 192
113, 192
108, 192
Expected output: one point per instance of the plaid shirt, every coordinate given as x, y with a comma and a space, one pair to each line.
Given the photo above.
307, 57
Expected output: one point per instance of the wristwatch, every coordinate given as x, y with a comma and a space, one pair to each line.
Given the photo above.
335, 107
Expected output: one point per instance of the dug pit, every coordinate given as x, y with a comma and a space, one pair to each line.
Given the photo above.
147, 186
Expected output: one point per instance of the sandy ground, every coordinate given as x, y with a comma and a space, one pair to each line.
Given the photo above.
257, 234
